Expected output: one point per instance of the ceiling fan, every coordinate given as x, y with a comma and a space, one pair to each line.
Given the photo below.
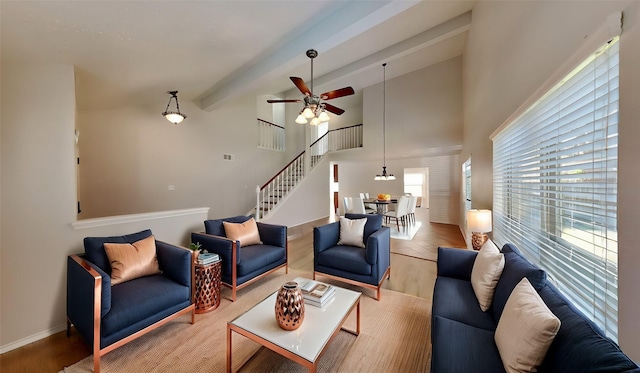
314, 106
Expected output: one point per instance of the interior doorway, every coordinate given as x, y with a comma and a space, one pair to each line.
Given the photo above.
416, 182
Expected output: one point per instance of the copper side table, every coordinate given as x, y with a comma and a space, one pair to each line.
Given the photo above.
207, 286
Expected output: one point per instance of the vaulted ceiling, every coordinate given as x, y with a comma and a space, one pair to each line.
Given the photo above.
214, 51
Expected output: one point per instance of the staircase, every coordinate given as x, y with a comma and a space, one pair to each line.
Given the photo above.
273, 192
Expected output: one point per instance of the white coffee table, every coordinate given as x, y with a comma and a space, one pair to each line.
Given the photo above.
304, 345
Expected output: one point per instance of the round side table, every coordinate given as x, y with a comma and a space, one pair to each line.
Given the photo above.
207, 286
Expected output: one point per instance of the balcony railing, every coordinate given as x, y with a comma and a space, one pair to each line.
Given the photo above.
336, 139
271, 136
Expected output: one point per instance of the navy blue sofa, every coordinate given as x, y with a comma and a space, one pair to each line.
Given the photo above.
367, 266
462, 336
242, 266
108, 317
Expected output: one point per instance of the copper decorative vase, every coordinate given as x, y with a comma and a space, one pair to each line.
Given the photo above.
290, 306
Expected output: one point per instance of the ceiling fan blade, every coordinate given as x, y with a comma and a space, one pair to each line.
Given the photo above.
301, 85
277, 101
333, 109
346, 91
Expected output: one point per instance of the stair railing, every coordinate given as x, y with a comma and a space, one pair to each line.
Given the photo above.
274, 190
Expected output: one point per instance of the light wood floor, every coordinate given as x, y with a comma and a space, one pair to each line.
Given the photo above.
409, 275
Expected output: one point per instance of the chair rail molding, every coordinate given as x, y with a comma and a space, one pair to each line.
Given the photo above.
132, 218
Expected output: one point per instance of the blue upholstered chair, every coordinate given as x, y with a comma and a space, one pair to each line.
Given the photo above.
242, 265
109, 316
366, 266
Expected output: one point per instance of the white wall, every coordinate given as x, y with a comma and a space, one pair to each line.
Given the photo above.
129, 156
513, 49
39, 202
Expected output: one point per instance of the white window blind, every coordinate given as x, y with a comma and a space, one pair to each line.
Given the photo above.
555, 186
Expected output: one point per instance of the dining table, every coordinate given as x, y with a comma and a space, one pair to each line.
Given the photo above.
382, 205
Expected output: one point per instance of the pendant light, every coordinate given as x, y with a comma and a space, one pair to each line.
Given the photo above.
174, 117
384, 175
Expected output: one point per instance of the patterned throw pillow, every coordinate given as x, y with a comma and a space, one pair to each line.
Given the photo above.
247, 232
130, 261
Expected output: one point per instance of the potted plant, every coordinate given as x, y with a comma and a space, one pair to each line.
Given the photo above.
195, 247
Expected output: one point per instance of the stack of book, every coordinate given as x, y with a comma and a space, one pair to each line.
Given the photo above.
208, 258
316, 293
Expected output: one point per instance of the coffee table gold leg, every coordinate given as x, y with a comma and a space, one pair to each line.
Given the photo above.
358, 319
228, 349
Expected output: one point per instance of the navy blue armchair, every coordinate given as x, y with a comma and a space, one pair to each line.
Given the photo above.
367, 267
108, 317
242, 265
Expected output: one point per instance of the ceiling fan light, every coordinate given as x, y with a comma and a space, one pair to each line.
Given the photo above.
308, 113
324, 117
301, 119
315, 121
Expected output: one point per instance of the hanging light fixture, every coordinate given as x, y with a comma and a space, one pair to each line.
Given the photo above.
384, 175
174, 117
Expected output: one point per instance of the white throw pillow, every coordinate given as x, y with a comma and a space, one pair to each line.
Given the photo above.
486, 272
352, 232
525, 330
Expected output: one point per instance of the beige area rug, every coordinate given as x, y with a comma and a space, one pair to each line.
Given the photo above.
394, 337
424, 243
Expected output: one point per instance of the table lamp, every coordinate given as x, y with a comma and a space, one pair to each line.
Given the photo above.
479, 223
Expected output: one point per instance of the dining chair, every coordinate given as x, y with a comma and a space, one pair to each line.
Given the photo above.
346, 206
411, 209
368, 207
357, 207
400, 213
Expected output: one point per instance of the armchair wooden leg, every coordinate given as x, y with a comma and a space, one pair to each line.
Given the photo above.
96, 361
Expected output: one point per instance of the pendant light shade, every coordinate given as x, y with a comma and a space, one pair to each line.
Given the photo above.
176, 116
384, 176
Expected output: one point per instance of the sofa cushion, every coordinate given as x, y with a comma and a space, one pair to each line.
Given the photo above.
350, 259
515, 268
352, 232
454, 299
579, 345
136, 300
255, 257
216, 226
374, 222
525, 330
486, 272
94, 247
459, 347
246, 233
130, 261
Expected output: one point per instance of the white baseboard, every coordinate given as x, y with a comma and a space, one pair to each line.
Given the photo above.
32, 338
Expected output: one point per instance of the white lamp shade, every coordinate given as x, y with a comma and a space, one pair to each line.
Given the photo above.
324, 117
479, 221
315, 121
301, 119
308, 113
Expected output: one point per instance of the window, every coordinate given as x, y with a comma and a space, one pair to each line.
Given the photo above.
413, 183
555, 186
466, 179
